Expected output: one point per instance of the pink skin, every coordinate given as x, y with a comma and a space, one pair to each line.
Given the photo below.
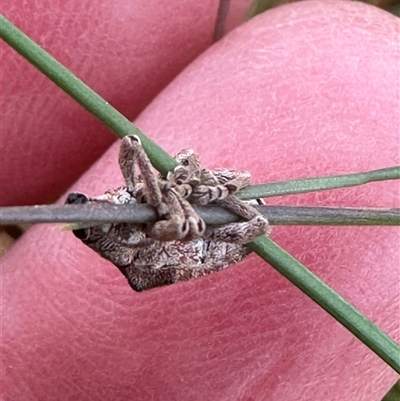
305, 90
125, 50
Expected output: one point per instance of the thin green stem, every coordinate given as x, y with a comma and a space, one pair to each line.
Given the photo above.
222, 15
82, 93
394, 393
259, 6
317, 184
394, 9
333, 303
94, 214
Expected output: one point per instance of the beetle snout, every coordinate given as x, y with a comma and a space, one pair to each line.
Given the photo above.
75, 198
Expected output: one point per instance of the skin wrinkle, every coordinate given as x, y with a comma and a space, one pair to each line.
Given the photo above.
23, 383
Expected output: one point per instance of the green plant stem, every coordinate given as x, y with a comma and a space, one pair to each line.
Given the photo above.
82, 93
394, 393
222, 15
259, 6
379, 342
395, 10
317, 184
95, 214
333, 303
